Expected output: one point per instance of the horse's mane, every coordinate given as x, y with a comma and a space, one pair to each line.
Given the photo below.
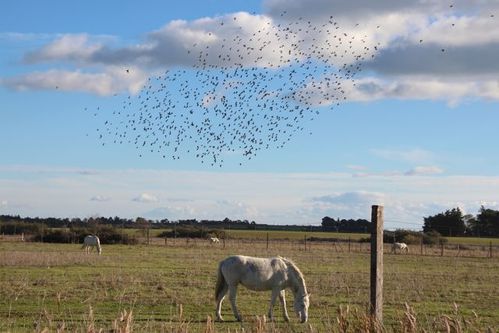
292, 266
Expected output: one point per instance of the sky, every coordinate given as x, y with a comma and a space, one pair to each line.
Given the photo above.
415, 129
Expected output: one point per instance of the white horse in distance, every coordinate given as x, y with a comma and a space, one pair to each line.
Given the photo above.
214, 240
90, 242
401, 247
275, 274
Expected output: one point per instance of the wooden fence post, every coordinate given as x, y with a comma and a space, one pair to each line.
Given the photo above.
441, 249
267, 240
490, 250
348, 244
377, 265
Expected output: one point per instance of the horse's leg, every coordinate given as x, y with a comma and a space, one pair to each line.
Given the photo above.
282, 298
220, 298
232, 298
275, 293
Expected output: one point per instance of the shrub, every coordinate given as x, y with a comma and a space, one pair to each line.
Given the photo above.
403, 236
55, 236
413, 237
433, 237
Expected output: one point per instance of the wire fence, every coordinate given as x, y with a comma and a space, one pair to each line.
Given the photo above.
341, 246
489, 250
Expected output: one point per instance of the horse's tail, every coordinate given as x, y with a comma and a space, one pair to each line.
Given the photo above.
221, 283
97, 241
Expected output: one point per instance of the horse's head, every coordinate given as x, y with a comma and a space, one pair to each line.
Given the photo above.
301, 307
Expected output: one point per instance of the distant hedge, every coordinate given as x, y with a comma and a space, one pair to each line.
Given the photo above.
410, 237
106, 234
192, 232
16, 228
413, 237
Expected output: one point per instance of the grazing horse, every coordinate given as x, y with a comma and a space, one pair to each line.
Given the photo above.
275, 274
90, 242
214, 240
401, 247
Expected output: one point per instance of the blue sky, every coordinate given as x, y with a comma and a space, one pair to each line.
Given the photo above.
417, 133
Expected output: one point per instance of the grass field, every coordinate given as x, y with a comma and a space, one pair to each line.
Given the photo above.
300, 235
170, 288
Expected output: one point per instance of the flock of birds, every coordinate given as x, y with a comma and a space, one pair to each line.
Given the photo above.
252, 91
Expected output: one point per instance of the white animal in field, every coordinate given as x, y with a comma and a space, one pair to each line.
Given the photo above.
275, 274
90, 242
400, 246
214, 240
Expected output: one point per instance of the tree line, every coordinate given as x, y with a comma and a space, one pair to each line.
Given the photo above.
454, 223
449, 223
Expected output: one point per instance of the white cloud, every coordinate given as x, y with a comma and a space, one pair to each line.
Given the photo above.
3, 203
171, 213
24, 37
100, 198
68, 47
216, 209
145, 198
424, 170
391, 31
275, 198
111, 81
460, 30
349, 201
424, 88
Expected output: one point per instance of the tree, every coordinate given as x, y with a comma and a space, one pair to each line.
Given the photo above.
143, 225
329, 224
449, 223
486, 223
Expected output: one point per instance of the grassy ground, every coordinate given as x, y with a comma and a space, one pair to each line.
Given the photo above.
170, 288
292, 235
300, 235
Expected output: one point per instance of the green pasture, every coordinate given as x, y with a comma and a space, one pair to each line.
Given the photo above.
291, 235
473, 240
171, 288
300, 235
